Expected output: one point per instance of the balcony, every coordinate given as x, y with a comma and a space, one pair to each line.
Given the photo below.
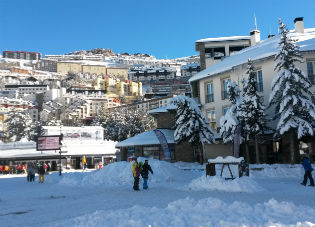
209, 98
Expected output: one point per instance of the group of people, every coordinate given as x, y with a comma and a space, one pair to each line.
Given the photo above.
143, 170
17, 169
41, 169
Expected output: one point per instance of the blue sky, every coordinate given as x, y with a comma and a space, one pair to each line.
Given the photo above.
164, 28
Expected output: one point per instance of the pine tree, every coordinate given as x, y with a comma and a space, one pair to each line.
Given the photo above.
191, 125
18, 125
230, 120
290, 94
251, 109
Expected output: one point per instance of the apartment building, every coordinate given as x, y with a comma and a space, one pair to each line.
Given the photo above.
116, 88
210, 85
190, 69
150, 74
45, 64
22, 55
32, 92
214, 50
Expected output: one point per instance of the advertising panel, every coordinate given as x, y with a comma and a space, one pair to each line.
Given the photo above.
48, 143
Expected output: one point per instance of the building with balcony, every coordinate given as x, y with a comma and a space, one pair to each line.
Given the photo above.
22, 55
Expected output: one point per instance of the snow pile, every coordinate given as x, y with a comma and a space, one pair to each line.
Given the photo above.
243, 184
227, 159
120, 174
277, 170
204, 212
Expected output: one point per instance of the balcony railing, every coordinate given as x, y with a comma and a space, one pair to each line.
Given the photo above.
224, 95
209, 98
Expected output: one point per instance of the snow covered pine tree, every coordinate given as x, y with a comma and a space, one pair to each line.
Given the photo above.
18, 125
251, 110
191, 125
291, 95
230, 120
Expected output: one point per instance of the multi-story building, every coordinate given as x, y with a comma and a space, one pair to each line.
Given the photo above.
213, 50
190, 69
210, 85
116, 88
22, 55
35, 92
90, 67
150, 74
45, 64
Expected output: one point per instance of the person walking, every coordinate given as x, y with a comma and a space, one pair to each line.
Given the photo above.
136, 175
145, 173
308, 171
31, 172
41, 172
84, 163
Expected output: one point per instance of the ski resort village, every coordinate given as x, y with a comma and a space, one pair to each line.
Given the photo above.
99, 137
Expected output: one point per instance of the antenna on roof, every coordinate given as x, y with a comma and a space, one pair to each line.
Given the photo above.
255, 21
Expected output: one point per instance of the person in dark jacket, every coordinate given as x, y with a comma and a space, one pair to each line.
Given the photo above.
41, 172
308, 171
145, 173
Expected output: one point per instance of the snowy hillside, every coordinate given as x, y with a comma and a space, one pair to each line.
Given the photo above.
179, 195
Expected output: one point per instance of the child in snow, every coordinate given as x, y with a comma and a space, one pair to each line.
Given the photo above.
308, 171
145, 173
136, 175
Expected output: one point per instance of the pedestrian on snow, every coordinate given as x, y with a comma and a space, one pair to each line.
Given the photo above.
45, 167
41, 172
136, 175
308, 171
31, 172
145, 173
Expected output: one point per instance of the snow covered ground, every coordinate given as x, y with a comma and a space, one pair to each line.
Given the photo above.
179, 195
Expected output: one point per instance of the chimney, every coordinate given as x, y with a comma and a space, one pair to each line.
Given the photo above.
299, 25
254, 37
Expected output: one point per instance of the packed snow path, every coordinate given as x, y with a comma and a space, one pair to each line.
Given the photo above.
176, 197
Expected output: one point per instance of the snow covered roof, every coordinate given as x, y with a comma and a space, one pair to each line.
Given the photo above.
221, 39
73, 147
162, 109
265, 48
147, 138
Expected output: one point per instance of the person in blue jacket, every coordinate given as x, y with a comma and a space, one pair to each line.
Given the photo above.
308, 171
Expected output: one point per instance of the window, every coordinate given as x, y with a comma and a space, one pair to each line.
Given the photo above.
259, 80
212, 119
225, 109
210, 93
310, 72
225, 88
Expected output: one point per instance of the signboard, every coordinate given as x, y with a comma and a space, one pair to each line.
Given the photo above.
45, 143
164, 144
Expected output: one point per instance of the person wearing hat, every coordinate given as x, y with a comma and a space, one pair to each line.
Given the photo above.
308, 171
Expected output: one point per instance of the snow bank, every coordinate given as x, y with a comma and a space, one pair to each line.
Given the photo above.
276, 170
243, 184
227, 159
120, 174
204, 212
